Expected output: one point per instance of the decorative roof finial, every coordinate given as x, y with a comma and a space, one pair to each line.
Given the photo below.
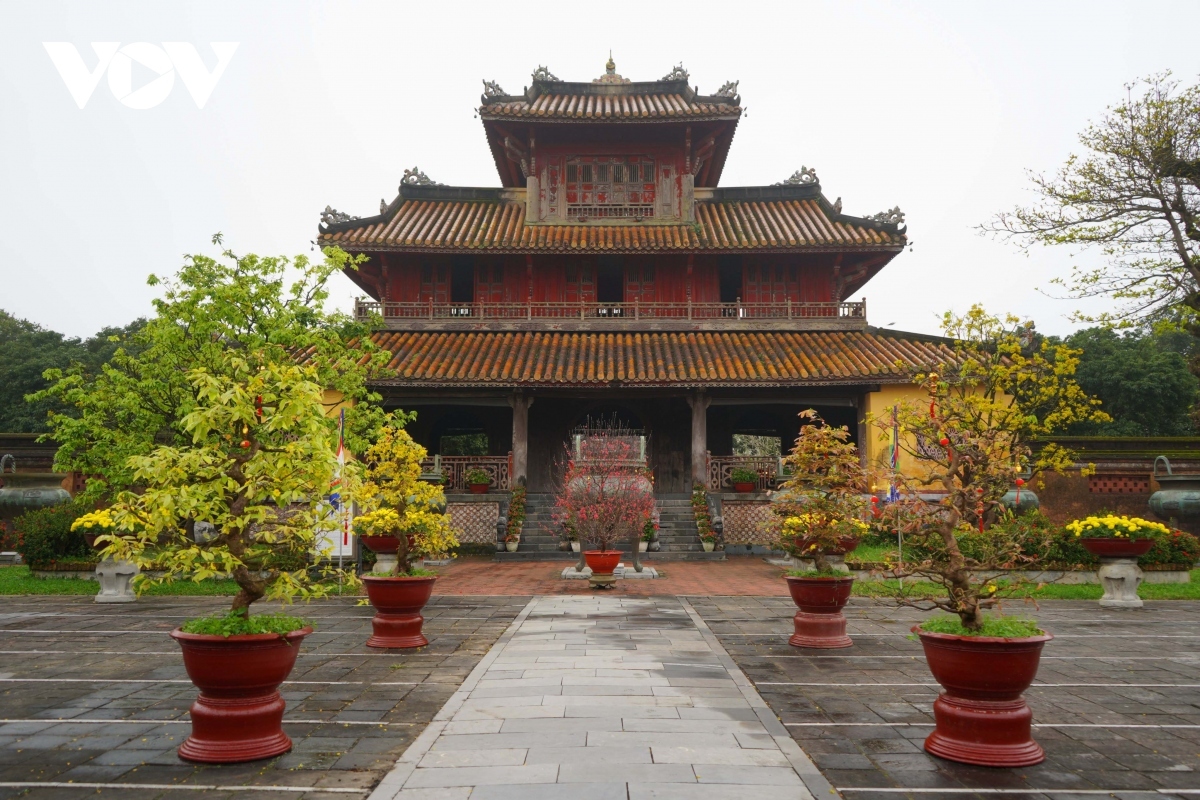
801, 177
414, 177
729, 89
610, 72
492, 89
677, 73
893, 217
331, 216
545, 75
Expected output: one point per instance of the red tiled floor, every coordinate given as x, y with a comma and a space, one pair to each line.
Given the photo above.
480, 575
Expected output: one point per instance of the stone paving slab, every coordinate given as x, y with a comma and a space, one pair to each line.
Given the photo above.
622, 706
98, 695
1116, 702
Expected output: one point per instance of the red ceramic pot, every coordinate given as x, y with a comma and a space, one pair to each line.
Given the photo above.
743, 487
1117, 548
602, 562
398, 602
90, 538
479, 488
239, 713
820, 623
982, 717
381, 544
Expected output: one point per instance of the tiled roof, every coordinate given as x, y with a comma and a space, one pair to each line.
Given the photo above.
633, 107
655, 359
446, 225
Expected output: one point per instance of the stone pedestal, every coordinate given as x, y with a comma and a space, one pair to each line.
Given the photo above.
1120, 578
116, 581
385, 563
620, 572
836, 563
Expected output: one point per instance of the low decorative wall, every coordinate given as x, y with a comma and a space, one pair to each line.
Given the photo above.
745, 518
474, 517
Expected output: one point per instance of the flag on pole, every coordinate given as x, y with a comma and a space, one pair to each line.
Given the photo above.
893, 490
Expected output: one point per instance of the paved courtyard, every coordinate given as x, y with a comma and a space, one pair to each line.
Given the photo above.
1116, 703
592, 696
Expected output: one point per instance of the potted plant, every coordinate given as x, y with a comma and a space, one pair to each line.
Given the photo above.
708, 541
649, 531
743, 479
1118, 542
606, 494
412, 513
511, 543
819, 511
1111, 536
478, 480
94, 524
259, 461
1001, 388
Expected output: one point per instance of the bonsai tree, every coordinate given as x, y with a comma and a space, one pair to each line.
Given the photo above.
402, 504
607, 492
820, 509
258, 459
999, 390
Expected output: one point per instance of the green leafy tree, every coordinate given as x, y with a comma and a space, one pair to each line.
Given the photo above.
259, 457
1134, 193
1142, 382
27, 350
270, 309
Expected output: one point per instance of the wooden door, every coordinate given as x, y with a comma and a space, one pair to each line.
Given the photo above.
580, 284
489, 283
435, 283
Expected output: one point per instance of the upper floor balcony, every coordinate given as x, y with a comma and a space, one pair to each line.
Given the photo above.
598, 316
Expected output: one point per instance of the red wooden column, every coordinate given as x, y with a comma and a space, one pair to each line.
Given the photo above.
520, 403
699, 402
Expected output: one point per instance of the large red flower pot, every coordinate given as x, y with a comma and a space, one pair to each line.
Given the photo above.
239, 713
982, 717
602, 562
819, 622
1117, 548
743, 487
381, 544
479, 488
398, 602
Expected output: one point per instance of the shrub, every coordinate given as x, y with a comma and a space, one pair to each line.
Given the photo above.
516, 511
44, 536
476, 476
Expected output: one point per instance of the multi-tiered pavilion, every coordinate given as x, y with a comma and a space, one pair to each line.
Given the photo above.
611, 274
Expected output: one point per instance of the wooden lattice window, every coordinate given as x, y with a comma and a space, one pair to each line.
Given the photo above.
608, 187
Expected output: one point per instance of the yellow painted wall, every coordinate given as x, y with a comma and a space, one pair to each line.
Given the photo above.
878, 441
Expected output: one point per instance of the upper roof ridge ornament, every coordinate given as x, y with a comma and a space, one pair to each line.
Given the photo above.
610, 73
729, 89
545, 75
677, 73
414, 177
492, 89
800, 177
893, 217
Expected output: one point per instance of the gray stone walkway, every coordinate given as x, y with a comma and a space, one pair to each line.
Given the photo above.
605, 698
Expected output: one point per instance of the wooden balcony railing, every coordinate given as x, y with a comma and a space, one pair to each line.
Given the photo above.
454, 470
720, 468
396, 314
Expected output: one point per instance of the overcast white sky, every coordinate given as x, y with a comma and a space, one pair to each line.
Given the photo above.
937, 107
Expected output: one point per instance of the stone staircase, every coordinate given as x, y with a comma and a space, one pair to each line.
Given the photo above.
676, 533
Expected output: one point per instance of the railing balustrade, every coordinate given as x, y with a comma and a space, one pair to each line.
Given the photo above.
454, 469
720, 470
785, 310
